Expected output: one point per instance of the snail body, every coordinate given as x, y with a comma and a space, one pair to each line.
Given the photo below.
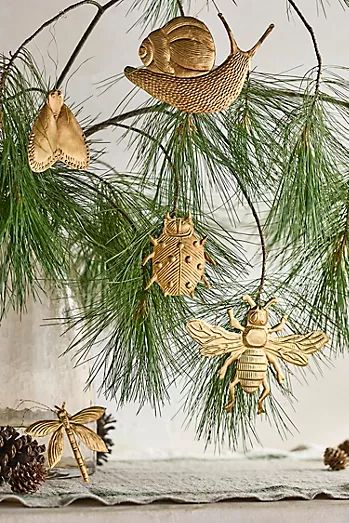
210, 92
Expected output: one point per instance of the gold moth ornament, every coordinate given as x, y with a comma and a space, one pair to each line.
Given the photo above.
178, 258
57, 137
254, 348
193, 85
72, 426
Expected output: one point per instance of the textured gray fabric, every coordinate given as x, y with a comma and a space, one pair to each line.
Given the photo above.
194, 481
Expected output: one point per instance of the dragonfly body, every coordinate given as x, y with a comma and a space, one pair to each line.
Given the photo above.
72, 426
63, 415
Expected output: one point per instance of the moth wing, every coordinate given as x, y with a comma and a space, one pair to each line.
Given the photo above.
71, 141
296, 348
55, 447
43, 428
88, 415
215, 340
89, 437
42, 147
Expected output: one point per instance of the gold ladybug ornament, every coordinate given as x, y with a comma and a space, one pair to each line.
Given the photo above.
178, 258
179, 67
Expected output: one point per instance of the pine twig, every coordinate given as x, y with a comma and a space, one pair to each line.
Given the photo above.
83, 39
180, 7
33, 35
120, 118
315, 44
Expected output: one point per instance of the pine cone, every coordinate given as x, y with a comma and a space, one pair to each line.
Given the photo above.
104, 425
19, 452
27, 478
345, 446
336, 459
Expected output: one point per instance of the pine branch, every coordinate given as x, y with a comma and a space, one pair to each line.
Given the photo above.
47, 23
101, 10
315, 44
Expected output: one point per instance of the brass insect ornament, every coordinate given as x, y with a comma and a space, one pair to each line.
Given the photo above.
254, 348
178, 258
57, 137
72, 426
179, 67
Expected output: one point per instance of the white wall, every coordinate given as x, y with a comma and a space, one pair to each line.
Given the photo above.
321, 414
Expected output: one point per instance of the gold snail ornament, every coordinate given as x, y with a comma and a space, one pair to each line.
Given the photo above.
57, 137
253, 348
179, 67
178, 258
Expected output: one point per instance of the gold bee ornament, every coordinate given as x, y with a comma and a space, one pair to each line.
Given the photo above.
178, 258
254, 348
72, 426
57, 137
179, 67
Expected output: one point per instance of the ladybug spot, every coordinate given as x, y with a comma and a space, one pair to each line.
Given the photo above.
188, 285
180, 245
200, 266
172, 259
188, 259
158, 264
195, 243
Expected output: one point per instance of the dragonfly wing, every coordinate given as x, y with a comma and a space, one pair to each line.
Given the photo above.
88, 415
71, 141
89, 437
55, 447
296, 348
43, 428
43, 141
215, 340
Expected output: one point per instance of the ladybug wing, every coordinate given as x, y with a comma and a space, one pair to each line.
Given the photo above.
214, 340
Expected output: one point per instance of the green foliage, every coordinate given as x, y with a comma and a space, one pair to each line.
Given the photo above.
282, 148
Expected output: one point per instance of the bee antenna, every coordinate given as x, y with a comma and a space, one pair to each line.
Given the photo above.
270, 302
249, 300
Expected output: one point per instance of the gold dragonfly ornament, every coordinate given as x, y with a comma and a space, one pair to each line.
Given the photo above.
254, 348
72, 426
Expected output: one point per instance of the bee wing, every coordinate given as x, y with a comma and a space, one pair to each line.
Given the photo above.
42, 148
55, 447
296, 348
87, 415
71, 142
89, 437
214, 340
43, 428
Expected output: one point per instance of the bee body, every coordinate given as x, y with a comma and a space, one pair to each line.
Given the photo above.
251, 369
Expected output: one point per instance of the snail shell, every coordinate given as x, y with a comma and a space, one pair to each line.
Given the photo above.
184, 47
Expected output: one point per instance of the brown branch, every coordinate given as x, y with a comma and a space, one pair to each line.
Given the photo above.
82, 41
315, 44
120, 118
33, 35
180, 7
